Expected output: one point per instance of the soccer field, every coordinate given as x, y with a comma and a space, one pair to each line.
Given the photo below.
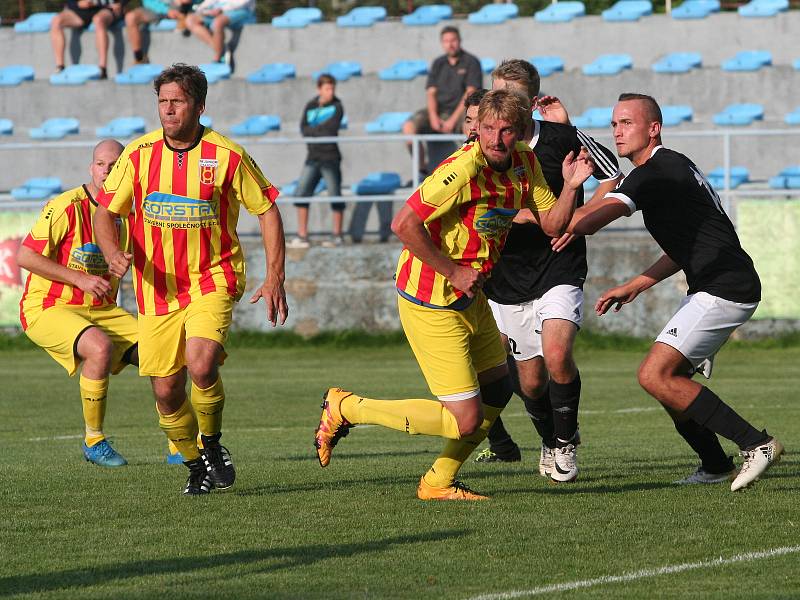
289, 529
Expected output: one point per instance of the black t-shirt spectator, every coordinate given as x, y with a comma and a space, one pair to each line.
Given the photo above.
322, 121
451, 81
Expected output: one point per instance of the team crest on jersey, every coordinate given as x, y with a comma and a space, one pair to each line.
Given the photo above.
519, 171
208, 170
171, 211
495, 223
88, 258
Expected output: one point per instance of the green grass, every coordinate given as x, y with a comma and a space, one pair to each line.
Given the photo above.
289, 529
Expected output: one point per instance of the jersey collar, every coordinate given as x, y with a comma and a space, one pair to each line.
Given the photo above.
656, 149
536, 129
89, 195
200, 134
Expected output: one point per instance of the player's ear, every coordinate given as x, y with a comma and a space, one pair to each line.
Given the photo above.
655, 129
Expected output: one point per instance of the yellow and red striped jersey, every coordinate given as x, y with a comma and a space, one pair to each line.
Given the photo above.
467, 208
63, 232
185, 207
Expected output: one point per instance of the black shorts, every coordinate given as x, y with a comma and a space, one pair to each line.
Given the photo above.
87, 14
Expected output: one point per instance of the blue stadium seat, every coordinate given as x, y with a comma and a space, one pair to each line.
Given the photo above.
139, 75
344, 123
35, 23
695, 9
676, 114
608, 64
404, 70
37, 188
763, 8
590, 185
678, 62
429, 14
342, 70
547, 65
596, 117
290, 189
257, 125
380, 182
164, 25
748, 60
55, 129
787, 179
494, 14
561, 12
362, 16
295, 18
6, 127
388, 122
272, 73
628, 10
488, 65
216, 71
793, 118
75, 75
121, 127
739, 114
15, 74
738, 176
206, 121
796, 65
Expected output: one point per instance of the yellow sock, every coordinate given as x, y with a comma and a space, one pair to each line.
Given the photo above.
181, 430
93, 399
208, 403
456, 452
415, 417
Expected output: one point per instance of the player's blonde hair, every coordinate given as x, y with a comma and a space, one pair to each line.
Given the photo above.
506, 105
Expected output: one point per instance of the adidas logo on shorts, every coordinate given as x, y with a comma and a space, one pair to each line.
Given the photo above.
673, 331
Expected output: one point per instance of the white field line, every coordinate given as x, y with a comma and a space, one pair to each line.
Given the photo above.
643, 574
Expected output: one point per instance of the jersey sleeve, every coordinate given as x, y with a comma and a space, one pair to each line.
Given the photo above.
633, 190
117, 192
606, 164
253, 189
445, 188
50, 228
540, 196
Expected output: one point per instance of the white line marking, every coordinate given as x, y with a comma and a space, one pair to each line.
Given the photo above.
643, 574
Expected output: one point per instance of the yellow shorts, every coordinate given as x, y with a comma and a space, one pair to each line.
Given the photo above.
162, 338
452, 346
58, 328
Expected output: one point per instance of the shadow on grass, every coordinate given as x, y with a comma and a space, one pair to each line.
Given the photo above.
282, 558
356, 455
578, 488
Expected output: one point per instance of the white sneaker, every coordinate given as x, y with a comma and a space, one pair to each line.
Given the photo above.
756, 461
334, 242
298, 242
565, 464
703, 476
546, 457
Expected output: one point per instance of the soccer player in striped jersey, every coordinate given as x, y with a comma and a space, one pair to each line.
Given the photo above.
453, 228
69, 305
183, 184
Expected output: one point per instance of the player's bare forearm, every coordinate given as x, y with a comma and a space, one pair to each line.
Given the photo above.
660, 270
46, 267
105, 233
272, 289
592, 217
554, 221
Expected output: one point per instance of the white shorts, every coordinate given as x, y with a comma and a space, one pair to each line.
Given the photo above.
701, 326
522, 323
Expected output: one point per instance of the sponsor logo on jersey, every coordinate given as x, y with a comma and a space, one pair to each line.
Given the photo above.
208, 170
178, 212
495, 222
88, 258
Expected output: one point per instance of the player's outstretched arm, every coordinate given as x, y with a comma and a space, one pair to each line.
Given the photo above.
575, 170
627, 292
272, 290
565, 240
105, 233
46, 267
552, 110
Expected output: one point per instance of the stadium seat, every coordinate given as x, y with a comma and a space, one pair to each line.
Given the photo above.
787, 179
121, 127
793, 118
6, 127
404, 70
290, 189
388, 122
216, 71
678, 62
380, 182
488, 65
164, 25
594, 118
37, 188
15, 74
342, 70
738, 176
257, 125
55, 129
75, 75
695, 9
739, 114
139, 75
295, 18
206, 121
362, 16
628, 10
429, 14
561, 12
763, 8
676, 114
748, 60
494, 14
608, 64
35, 23
272, 73
796, 65
590, 185
547, 65
344, 123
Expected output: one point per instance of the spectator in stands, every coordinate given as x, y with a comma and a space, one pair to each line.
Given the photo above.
321, 117
152, 11
79, 14
211, 17
451, 78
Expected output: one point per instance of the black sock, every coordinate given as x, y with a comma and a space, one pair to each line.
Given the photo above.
709, 411
705, 443
565, 398
138, 55
499, 439
541, 413
497, 393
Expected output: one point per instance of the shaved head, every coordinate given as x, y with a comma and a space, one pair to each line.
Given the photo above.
651, 108
107, 146
104, 155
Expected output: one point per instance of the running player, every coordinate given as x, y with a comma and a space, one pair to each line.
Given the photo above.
453, 228
536, 296
184, 185
69, 305
684, 215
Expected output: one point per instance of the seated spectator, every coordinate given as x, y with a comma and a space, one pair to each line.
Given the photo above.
211, 17
152, 11
321, 117
79, 14
451, 78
